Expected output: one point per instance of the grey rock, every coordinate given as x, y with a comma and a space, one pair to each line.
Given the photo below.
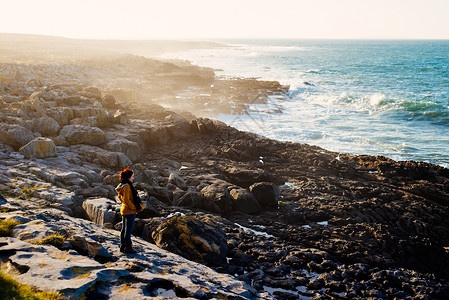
119, 117
108, 101
94, 92
96, 116
89, 247
79, 134
190, 199
113, 160
266, 193
177, 180
101, 210
39, 148
195, 237
129, 148
15, 135
46, 126
205, 126
181, 122
217, 199
156, 135
244, 201
176, 133
47, 268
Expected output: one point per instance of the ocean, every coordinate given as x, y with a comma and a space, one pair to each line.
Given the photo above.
376, 97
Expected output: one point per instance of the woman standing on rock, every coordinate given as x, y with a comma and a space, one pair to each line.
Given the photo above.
130, 207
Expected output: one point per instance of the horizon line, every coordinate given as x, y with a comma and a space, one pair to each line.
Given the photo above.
232, 38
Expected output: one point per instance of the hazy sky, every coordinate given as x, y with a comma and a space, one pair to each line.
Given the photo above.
203, 19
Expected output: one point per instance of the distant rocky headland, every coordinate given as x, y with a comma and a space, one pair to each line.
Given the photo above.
229, 214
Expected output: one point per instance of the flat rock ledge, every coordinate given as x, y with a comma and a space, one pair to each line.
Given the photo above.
152, 272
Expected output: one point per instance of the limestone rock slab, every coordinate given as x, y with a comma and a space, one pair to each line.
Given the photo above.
39, 148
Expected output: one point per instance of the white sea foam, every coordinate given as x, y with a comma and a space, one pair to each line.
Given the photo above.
377, 100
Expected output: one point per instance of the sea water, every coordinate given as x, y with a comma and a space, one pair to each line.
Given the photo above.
371, 97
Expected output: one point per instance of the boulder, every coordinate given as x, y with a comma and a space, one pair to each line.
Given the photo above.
102, 210
113, 160
96, 116
93, 92
129, 148
15, 135
150, 210
108, 101
176, 133
39, 148
198, 238
62, 115
119, 117
160, 193
266, 193
190, 199
177, 180
181, 122
79, 134
205, 126
47, 126
156, 135
217, 199
88, 247
244, 201
246, 177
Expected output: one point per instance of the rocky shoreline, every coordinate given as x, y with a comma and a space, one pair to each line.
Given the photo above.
252, 217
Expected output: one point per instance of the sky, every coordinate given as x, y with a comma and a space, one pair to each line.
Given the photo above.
210, 19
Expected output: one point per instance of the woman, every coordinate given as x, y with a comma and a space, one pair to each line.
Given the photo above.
130, 207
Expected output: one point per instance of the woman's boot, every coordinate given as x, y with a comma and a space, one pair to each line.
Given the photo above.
129, 249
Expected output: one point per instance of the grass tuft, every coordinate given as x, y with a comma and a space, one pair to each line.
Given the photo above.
54, 239
6, 226
11, 289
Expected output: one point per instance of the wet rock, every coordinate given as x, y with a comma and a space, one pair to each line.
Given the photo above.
244, 201
195, 237
15, 135
245, 177
216, 198
39, 148
79, 134
266, 193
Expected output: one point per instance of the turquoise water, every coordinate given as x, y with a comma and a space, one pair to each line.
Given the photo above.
363, 97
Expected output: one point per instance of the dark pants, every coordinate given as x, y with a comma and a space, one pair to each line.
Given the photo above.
127, 229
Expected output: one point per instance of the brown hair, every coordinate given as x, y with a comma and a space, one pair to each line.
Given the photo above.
126, 174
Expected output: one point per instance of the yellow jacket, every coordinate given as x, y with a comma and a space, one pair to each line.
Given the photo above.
126, 197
